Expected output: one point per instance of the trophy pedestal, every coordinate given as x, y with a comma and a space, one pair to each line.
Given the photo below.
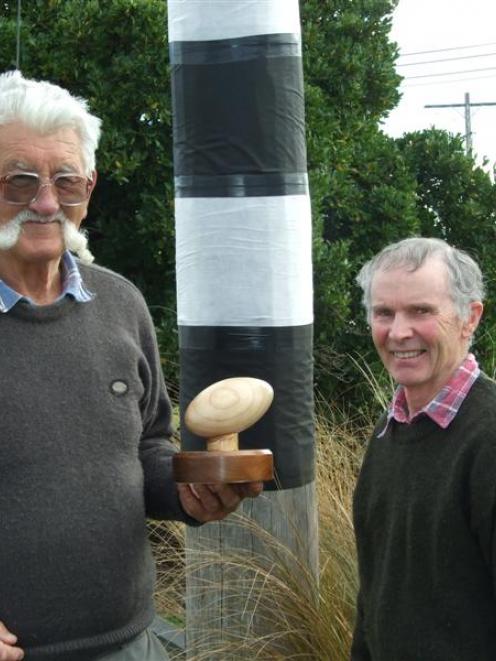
218, 414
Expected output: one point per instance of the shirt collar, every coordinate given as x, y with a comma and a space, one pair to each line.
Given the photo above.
72, 285
72, 282
445, 405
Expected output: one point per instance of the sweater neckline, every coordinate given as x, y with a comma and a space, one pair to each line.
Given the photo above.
42, 313
416, 431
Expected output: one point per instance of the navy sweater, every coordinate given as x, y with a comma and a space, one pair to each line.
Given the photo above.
425, 515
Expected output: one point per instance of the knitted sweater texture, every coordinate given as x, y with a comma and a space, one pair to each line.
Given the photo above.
425, 520
84, 456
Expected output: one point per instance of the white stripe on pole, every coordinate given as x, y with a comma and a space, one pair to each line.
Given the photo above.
244, 261
204, 20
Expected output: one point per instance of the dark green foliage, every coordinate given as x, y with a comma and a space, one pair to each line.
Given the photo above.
456, 201
114, 53
367, 189
362, 193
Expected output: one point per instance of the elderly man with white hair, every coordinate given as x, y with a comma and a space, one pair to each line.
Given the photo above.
425, 500
85, 453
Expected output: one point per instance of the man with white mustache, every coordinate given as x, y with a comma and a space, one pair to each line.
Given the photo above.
75, 240
425, 502
85, 419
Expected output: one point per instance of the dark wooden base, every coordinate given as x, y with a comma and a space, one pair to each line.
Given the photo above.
223, 467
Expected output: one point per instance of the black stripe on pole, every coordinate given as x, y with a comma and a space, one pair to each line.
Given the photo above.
282, 356
220, 51
241, 185
242, 338
230, 119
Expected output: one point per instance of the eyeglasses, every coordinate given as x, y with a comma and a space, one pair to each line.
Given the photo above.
22, 188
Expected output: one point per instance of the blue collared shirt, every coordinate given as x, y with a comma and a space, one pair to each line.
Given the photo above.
72, 285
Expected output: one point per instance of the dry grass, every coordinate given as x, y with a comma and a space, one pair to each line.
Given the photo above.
288, 613
167, 540
339, 455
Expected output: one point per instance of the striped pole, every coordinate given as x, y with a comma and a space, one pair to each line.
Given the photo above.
243, 238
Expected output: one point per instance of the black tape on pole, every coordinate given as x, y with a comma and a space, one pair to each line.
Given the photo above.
242, 185
231, 120
281, 355
221, 51
245, 338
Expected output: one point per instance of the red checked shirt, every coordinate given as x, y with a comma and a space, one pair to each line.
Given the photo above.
445, 405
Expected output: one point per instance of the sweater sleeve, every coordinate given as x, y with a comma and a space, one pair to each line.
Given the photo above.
359, 647
156, 448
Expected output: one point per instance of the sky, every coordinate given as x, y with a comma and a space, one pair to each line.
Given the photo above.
453, 29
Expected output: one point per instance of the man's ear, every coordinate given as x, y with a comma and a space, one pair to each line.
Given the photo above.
470, 325
94, 177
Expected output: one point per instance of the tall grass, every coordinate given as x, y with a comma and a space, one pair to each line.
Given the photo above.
300, 615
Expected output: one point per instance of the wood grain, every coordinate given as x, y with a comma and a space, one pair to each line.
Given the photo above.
223, 467
228, 406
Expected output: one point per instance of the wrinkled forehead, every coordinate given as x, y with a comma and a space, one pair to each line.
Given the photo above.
24, 148
430, 280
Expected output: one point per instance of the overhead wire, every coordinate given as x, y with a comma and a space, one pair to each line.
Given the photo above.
449, 73
446, 59
446, 82
442, 50
408, 82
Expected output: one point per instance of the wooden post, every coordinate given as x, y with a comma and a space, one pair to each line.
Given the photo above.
244, 285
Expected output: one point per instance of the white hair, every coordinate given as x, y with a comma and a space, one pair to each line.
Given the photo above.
45, 107
464, 275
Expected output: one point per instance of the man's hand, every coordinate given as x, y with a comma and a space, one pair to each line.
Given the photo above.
8, 651
213, 502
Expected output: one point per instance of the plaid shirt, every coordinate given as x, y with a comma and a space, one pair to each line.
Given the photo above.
72, 285
445, 405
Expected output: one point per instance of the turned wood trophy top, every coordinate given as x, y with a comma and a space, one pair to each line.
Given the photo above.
228, 406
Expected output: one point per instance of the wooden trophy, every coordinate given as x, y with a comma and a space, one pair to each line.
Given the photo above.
218, 414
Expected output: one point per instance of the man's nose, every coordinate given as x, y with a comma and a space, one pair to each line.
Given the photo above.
400, 327
46, 202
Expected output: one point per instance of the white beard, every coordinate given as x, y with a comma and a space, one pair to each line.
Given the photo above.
74, 240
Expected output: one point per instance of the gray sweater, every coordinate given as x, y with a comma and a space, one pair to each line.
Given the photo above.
84, 456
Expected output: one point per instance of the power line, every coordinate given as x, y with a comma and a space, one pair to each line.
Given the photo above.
447, 82
450, 73
442, 50
446, 59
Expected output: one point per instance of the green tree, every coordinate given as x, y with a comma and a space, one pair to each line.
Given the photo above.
362, 192
367, 189
456, 201
115, 54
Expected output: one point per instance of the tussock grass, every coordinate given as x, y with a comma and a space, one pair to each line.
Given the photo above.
287, 613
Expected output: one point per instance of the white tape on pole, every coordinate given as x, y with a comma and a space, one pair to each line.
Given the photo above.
244, 261
205, 20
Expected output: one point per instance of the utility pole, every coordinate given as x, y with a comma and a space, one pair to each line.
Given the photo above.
468, 121
468, 124
18, 36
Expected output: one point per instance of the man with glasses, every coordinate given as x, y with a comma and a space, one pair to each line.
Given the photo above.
84, 414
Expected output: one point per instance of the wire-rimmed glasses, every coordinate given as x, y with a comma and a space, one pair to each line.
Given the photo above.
22, 188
